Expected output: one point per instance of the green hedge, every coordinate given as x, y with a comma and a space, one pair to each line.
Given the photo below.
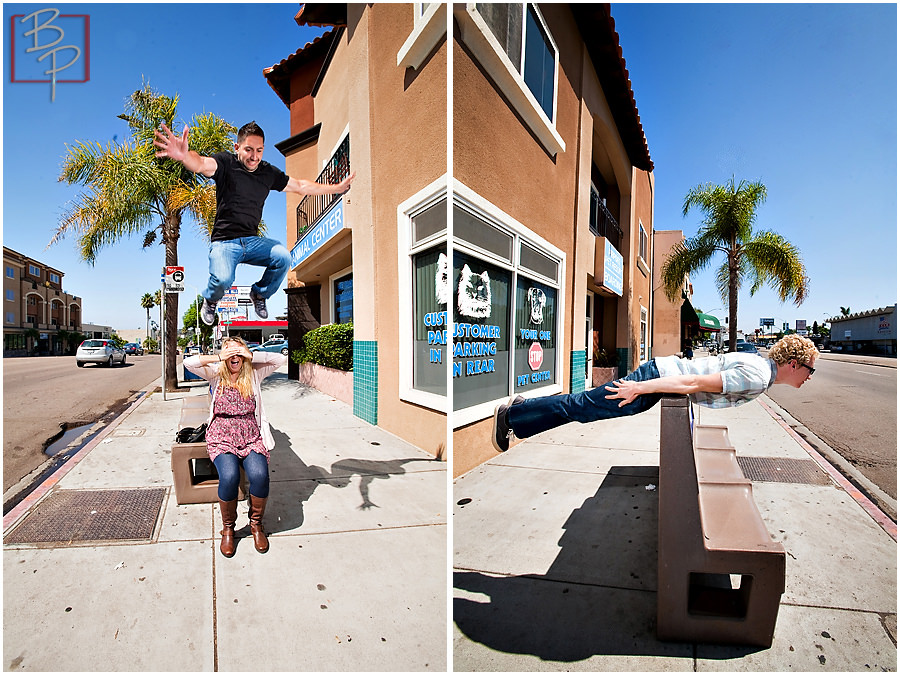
330, 346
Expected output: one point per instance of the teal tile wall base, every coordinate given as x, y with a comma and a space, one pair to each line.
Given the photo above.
365, 380
577, 371
624, 360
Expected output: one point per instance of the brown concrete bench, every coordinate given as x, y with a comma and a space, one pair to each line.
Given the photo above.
721, 576
194, 475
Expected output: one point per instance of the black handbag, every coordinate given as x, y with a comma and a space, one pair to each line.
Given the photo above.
191, 434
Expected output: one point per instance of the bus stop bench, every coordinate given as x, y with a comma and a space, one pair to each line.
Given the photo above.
721, 576
195, 477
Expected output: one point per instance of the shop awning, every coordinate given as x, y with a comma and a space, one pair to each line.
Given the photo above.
709, 322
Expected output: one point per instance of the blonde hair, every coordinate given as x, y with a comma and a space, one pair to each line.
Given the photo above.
793, 347
244, 382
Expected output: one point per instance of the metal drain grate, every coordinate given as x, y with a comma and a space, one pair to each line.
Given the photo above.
782, 470
91, 515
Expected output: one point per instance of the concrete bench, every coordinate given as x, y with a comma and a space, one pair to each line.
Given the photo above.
195, 477
721, 576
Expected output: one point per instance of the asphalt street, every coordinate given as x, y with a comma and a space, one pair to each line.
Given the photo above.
43, 392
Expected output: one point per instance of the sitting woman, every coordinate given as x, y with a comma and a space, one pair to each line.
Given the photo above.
238, 433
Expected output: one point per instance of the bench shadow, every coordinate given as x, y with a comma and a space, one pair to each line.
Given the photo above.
598, 597
293, 481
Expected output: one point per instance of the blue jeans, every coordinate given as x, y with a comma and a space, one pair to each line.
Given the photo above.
225, 256
535, 415
228, 466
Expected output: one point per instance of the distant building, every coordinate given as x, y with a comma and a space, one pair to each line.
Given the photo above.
37, 313
869, 332
93, 331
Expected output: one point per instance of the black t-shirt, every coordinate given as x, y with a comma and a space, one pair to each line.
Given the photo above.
240, 195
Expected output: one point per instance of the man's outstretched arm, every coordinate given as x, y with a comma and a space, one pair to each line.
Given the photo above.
308, 187
176, 147
628, 390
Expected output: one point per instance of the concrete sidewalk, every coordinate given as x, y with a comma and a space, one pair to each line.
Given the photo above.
555, 557
354, 580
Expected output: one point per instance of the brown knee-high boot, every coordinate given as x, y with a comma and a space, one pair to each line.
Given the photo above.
257, 509
229, 516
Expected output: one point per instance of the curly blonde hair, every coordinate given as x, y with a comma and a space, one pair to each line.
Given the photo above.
244, 382
792, 347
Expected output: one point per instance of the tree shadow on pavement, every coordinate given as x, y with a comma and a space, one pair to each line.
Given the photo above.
598, 597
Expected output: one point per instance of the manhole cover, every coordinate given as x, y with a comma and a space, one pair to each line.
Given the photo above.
782, 470
91, 515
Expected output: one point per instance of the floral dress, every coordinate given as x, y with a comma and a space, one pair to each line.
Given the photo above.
233, 428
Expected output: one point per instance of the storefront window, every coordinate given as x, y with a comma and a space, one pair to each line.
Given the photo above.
430, 350
535, 338
481, 340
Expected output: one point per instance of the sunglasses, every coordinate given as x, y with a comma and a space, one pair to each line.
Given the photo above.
809, 368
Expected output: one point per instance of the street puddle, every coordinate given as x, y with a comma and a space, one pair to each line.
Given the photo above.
69, 435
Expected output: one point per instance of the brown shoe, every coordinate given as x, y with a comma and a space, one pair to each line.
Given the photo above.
229, 516
257, 509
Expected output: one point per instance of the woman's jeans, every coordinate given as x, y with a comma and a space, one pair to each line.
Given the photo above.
228, 466
225, 256
535, 415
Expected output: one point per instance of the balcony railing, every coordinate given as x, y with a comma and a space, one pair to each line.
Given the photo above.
312, 207
602, 222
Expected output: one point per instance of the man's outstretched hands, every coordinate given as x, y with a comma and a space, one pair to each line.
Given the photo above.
627, 390
172, 146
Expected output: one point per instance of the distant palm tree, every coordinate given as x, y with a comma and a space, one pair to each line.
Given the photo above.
148, 302
131, 191
765, 257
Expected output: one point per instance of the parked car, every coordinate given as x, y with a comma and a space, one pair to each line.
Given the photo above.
134, 348
272, 346
99, 351
743, 346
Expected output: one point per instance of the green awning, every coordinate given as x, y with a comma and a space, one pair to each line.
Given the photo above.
708, 322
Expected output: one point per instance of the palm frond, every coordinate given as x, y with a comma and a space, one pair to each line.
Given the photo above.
778, 263
685, 258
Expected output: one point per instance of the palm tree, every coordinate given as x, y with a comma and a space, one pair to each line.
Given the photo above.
148, 302
131, 191
765, 257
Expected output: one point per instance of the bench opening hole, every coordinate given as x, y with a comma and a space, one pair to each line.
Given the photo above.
203, 470
721, 595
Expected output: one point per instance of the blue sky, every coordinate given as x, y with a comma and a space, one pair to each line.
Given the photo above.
215, 65
802, 97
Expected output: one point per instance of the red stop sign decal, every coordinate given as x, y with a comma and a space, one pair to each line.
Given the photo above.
535, 355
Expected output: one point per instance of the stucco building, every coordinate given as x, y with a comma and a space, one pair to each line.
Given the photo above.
370, 96
37, 312
552, 201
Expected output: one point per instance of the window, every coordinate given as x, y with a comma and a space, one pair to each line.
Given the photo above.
430, 301
10, 272
643, 243
34, 271
342, 292
506, 309
10, 318
521, 33
643, 334
10, 295
513, 45
429, 26
423, 277
54, 278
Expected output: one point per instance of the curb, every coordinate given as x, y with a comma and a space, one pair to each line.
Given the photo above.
867, 504
40, 492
